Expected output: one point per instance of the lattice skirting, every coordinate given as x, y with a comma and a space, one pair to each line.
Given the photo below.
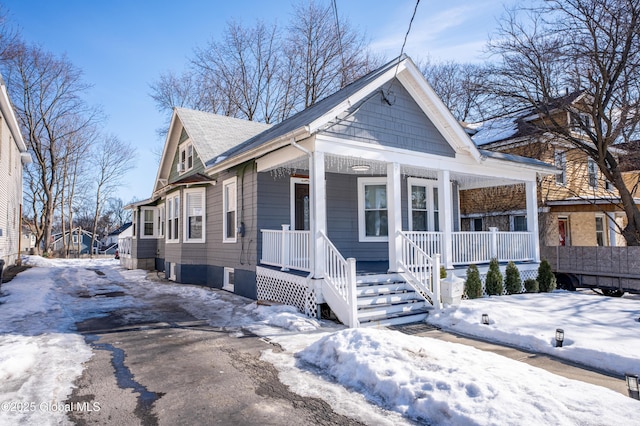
286, 288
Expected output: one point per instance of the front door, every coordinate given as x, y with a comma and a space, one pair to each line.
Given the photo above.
300, 204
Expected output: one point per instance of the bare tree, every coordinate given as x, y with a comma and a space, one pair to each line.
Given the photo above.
586, 47
47, 94
257, 73
113, 158
326, 55
462, 87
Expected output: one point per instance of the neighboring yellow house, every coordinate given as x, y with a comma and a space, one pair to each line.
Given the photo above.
577, 207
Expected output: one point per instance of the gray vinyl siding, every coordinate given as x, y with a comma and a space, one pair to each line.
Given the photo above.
242, 253
400, 125
146, 248
342, 220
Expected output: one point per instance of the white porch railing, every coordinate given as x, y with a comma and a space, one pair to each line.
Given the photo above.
516, 246
420, 270
477, 247
124, 246
286, 249
481, 247
339, 284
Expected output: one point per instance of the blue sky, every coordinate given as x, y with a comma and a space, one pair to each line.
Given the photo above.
124, 45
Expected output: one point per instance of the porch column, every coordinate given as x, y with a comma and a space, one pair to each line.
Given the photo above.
532, 216
394, 214
318, 211
446, 217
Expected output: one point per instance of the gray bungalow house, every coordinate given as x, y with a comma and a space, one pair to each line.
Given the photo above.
352, 203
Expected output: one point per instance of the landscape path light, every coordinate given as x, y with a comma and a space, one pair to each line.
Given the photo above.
559, 337
485, 319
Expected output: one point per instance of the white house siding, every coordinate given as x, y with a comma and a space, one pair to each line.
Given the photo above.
10, 195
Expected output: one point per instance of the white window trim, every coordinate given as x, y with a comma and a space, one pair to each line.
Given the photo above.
185, 222
591, 163
226, 183
169, 219
226, 284
362, 182
292, 199
429, 185
184, 148
162, 214
561, 157
153, 222
605, 229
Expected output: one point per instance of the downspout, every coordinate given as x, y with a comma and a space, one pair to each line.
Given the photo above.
312, 209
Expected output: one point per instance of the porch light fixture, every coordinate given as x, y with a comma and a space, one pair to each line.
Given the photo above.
559, 337
485, 319
632, 385
360, 167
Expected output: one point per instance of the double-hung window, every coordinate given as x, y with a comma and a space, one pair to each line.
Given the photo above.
160, 220
424, 206
194, 214
372, 209
186, 157
173, 216
560, 160
601, 234
229, 218
592, 169
148, 225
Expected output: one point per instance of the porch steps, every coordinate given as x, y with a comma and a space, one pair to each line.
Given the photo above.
385, 299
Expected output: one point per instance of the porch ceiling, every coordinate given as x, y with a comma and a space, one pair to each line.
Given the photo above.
347, 164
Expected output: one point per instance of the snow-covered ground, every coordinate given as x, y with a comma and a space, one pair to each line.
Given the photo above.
422, 379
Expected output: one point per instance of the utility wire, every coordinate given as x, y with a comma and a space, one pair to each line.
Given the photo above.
415, 9
343, 80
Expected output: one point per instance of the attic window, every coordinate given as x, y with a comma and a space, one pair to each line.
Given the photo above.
186, 157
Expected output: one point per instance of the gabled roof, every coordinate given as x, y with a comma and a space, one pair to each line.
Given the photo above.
350, 98
518, 124
119, 230
212, 134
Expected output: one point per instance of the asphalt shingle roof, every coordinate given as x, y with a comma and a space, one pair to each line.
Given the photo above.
214, 134
309, 114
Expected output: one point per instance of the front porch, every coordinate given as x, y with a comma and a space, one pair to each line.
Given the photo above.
289, 250
371, 246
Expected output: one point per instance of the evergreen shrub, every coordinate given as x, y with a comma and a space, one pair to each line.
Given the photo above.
473, 284
512, 281
494, 281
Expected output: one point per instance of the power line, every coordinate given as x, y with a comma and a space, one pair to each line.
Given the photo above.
335, 13
415, 9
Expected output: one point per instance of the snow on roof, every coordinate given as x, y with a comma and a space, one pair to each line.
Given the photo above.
213, 134
494, 130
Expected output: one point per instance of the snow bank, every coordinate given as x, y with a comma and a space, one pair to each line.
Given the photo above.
452, 384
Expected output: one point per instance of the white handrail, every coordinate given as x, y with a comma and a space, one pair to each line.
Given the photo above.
421, 271
339, 284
